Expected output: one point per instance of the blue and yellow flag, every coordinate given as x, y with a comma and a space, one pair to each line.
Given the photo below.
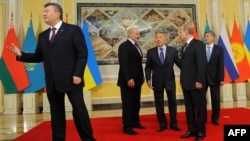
35, 71
207, 28
247, 42
92, 75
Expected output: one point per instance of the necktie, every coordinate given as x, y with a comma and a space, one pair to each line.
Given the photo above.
185, 47
161, 55
208, 53
53, 34
137, 47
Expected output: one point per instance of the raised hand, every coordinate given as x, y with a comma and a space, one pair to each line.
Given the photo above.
15, 50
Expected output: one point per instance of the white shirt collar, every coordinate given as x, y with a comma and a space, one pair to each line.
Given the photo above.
164, 47
211, 45
58, 25
131, 41
189, 40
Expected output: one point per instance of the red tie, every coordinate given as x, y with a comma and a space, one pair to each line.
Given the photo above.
53, 34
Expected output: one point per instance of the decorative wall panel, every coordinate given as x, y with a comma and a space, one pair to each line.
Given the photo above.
108, 23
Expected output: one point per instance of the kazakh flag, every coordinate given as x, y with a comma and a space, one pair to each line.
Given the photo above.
35, 71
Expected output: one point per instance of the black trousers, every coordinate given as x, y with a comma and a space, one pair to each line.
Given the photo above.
80, 115
215, 101
195, 101
131, 98
172, 107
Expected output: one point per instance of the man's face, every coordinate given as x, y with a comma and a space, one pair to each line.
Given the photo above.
160, 39
50, 16
183, 35
135, 35
209, 38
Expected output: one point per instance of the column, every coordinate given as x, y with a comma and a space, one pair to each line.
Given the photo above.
239, 91
12, 103
30, 103
226, 92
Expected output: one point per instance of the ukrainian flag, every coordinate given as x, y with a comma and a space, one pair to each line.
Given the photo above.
92, 76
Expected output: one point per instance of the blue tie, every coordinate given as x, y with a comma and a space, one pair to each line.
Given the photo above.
208, 53
161, 55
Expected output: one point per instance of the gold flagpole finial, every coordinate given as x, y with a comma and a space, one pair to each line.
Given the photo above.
66, 17
12, 16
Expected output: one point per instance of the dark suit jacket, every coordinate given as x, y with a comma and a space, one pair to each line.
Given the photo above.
193, 64
215, 66
64, 58
130, 62
162, 74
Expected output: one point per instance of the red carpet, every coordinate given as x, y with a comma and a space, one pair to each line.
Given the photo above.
110, 129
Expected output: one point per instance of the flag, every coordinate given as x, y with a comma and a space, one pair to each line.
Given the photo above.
92, 74
247, 42
229, 63
195, 35
239, 55
35, 71
12, 72
66, 21
207, 28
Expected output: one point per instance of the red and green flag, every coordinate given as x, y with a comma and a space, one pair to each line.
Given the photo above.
12, 73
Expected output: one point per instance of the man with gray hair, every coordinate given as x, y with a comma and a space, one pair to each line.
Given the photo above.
130, 80
160, 76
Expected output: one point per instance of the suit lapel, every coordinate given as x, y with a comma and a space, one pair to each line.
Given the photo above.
59, 34
47, 32
167, 54
213, 51
187, 48
135, 48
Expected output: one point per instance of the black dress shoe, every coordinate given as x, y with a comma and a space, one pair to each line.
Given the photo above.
200, 136
130, 132
162, 128
175, 127
215, 122
188, 134
139, 126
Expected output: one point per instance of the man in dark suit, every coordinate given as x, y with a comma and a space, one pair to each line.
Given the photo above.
215, 73
163, 77
64, 56
130, 80
193, 81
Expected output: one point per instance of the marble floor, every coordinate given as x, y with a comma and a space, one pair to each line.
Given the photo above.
12, 126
